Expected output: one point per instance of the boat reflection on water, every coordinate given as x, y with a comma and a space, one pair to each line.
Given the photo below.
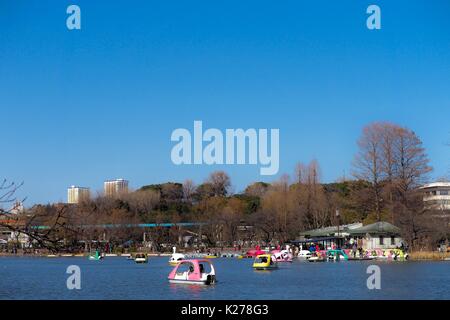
190, 288
263, 271
192, 291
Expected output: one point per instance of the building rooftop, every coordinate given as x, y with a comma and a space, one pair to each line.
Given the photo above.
381, 227
330, 231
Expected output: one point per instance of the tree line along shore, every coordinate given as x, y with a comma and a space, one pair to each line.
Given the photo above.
388, 169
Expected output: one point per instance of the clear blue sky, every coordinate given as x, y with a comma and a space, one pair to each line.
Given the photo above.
79, 107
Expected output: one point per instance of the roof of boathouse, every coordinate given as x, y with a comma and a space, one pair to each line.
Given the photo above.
330, 231
378, 228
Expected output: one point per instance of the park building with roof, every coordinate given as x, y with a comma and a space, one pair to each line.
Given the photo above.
379, 235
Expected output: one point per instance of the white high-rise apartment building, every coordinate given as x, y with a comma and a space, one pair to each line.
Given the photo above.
115, 187
77, 194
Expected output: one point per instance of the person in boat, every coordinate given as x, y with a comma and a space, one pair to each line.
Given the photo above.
201, 268
360, 252
403, 247
396, 255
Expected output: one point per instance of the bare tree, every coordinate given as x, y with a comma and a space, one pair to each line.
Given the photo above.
411, 162
40, 227
301, 172
188, 190
278, 216
230, 217
142, 202
257, 189
220, 183
310, 196
368, 162
393, 160
8, 194
411, 170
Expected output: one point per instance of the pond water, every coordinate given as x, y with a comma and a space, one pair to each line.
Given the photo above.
118, 278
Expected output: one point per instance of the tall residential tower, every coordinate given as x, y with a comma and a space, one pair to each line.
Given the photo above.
77, 194
115, 187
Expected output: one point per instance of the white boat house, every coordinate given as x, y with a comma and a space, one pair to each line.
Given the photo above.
379, 235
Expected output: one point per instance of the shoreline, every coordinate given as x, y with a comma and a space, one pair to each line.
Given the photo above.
429, 256
413, 256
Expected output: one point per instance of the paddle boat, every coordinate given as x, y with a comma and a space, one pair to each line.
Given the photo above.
361, 255
377, 254
141, 258
335, 255
397, 255
176, 257
265, 262
255, 252
369, 255
193, 272
232, 255
95, 256
317, 257
304, 254
282, 256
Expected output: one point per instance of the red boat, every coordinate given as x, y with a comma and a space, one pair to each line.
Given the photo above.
255, 252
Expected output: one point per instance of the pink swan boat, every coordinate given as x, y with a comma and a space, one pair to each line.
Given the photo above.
193, 272
282, 256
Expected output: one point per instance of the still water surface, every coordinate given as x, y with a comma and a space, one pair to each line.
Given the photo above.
117, 278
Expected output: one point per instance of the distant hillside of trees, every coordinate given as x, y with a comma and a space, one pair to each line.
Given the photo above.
390, 165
